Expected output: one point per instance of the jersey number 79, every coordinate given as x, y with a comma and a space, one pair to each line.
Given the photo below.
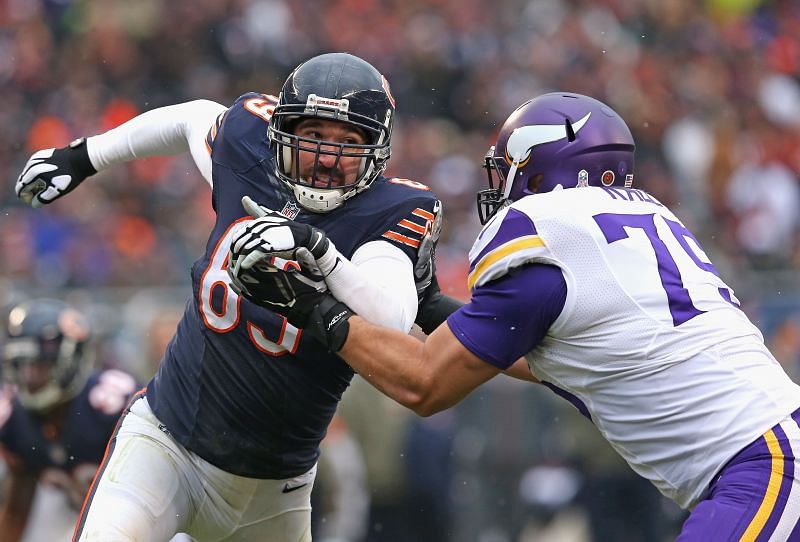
671, 247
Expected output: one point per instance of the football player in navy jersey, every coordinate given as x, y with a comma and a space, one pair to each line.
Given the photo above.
56, 416
224, 441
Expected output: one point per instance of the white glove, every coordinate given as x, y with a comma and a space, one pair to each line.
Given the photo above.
272, 234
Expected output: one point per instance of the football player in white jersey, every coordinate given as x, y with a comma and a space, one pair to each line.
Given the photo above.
615, 306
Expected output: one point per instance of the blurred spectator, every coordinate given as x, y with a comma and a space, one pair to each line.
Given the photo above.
379, 426
341, 496
785, 345
680, 71
429, 468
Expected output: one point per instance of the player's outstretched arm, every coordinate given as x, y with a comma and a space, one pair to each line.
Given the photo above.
521, 371
425, 377
52, 173
169, 130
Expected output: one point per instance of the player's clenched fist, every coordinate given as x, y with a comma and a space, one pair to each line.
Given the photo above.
272, 234
51, 173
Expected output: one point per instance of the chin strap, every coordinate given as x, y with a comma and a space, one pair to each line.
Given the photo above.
511, 173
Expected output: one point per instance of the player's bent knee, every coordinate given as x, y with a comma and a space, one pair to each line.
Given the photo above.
136, 500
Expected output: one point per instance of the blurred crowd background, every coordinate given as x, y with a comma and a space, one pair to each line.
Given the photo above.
710, 89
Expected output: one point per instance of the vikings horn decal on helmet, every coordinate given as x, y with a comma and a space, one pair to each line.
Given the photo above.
339, 87
46, 352
557, 140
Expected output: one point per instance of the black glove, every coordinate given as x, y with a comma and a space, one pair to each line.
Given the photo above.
51, 173
301, 296
284, 292
305, 304
435, 307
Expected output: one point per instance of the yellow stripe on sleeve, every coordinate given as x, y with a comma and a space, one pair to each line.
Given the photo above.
498, 254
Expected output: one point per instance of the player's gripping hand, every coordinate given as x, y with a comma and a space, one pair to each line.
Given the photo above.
51, 173
303, 299
272, 234
301, 296
287, 292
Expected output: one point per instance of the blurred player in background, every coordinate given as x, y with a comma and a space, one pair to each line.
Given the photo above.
615, 306
341, 497
56, 416
224, 442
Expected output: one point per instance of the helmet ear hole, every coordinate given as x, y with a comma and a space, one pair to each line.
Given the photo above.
535, 182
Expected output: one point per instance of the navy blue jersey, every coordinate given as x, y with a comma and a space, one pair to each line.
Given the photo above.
239, 385
36, 443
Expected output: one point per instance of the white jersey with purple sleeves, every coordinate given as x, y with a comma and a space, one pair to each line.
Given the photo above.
650, 342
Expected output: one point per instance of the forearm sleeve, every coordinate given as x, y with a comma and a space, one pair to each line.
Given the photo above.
378, 285
167, 130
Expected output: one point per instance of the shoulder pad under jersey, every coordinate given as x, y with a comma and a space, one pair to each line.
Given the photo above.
413, 223
238, 139
509, 240
405, 213
110, 390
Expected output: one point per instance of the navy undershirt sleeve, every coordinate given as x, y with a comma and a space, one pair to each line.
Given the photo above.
506, 318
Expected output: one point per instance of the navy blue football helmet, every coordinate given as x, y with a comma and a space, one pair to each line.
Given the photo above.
46, 352
557, 140
338, 87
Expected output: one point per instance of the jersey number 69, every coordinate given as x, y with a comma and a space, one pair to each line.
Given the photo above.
225, 317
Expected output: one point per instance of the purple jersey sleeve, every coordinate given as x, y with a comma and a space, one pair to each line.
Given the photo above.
508, 317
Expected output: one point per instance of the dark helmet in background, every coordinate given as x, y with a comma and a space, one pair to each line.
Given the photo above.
339, 87
46, 352
557, 140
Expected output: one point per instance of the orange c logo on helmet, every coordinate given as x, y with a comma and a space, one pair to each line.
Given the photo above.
73, 325
385, 85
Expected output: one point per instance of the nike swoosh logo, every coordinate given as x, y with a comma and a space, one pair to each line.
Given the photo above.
524, 138
288, 489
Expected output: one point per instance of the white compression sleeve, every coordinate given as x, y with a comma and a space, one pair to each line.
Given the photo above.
378, 284
167, 130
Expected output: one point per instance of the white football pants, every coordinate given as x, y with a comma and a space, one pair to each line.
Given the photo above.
151, 488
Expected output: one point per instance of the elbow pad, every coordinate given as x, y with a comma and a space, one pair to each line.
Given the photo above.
435, 307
